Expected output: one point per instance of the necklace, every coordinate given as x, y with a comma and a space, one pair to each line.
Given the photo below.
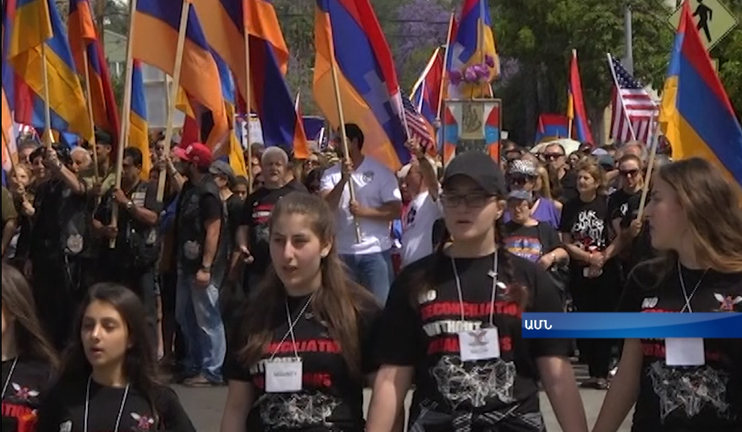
685, 293
10, 375
87, 406
492, 274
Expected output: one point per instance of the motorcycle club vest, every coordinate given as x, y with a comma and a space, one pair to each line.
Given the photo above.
137, 245
191, 232
66, 220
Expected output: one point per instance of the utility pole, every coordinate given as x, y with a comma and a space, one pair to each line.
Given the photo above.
99, 18
628, 60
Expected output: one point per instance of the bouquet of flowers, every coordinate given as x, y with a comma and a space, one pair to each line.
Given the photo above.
474, 74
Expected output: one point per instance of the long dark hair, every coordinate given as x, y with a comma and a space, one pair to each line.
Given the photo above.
139, 362
425, 279
18, 302
338, 302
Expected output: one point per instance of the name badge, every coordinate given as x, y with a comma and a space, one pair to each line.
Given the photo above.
283, 377
479, 344
684, 352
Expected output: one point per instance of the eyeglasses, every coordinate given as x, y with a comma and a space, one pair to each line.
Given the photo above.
475, 200
632, 173
552, 156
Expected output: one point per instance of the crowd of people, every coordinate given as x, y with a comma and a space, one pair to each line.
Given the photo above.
317, 278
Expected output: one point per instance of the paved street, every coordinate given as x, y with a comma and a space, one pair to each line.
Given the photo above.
205, 406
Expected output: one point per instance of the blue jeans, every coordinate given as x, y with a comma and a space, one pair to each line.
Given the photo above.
197, 312
373, 271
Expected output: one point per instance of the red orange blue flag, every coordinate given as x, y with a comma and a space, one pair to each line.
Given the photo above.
83, 39
348, 37
695, 114
576, 106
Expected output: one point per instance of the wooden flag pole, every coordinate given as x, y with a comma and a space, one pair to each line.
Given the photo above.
248, 98
174, 90
480, 41
47, 108
444, 76
89, 97
650, 167
341, 117
125, 113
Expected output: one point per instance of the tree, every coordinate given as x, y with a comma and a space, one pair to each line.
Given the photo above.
541, 35
729, 54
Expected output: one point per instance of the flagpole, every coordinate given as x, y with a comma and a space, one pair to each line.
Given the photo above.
89, 97
341, 118
650, 167
47, 108
570, 97
125, 112
480, 39
445, 71
174, 91
248, 98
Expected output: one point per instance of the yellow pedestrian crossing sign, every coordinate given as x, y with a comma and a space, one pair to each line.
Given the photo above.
713, 20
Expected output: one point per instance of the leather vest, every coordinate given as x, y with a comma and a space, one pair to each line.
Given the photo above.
137, 244
191, 233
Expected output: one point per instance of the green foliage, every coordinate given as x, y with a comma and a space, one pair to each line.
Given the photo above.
729, 55
542, 33
117, 82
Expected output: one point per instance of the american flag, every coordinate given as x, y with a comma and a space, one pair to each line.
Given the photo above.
416, 123
634, 111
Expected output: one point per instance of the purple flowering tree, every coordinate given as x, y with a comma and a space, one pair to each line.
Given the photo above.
423, 24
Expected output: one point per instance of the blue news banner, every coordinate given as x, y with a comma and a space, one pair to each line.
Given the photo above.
618, 325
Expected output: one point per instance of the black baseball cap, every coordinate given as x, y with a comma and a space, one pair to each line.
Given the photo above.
479, 167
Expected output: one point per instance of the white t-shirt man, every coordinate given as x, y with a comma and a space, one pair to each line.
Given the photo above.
374, 185
417, 228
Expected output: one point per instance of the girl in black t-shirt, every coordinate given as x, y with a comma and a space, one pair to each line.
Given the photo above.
28, 357
108, 380
452, 326
593, 271
303, 351
684, 385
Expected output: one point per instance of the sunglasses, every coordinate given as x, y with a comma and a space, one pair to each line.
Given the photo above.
519, 179
552, 156
632, 173
476, 200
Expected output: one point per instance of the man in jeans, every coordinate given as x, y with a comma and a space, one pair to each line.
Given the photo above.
377, 203
202, 261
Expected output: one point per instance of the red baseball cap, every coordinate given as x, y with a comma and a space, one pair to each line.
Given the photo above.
196, 153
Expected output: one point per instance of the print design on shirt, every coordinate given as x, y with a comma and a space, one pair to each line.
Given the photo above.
65, 426
296, 410
410, 217
476, 385
23, 394
589, 228
728, 303
526, 247
144, 423
261, 214
689, 390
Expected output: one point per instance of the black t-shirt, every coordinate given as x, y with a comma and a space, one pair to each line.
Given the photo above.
569, 186
687, 399
641, 248
256, 214
64, 410
421, 330
234, 215
530, 242
618, 204
586, 222
331, 397
22, 390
